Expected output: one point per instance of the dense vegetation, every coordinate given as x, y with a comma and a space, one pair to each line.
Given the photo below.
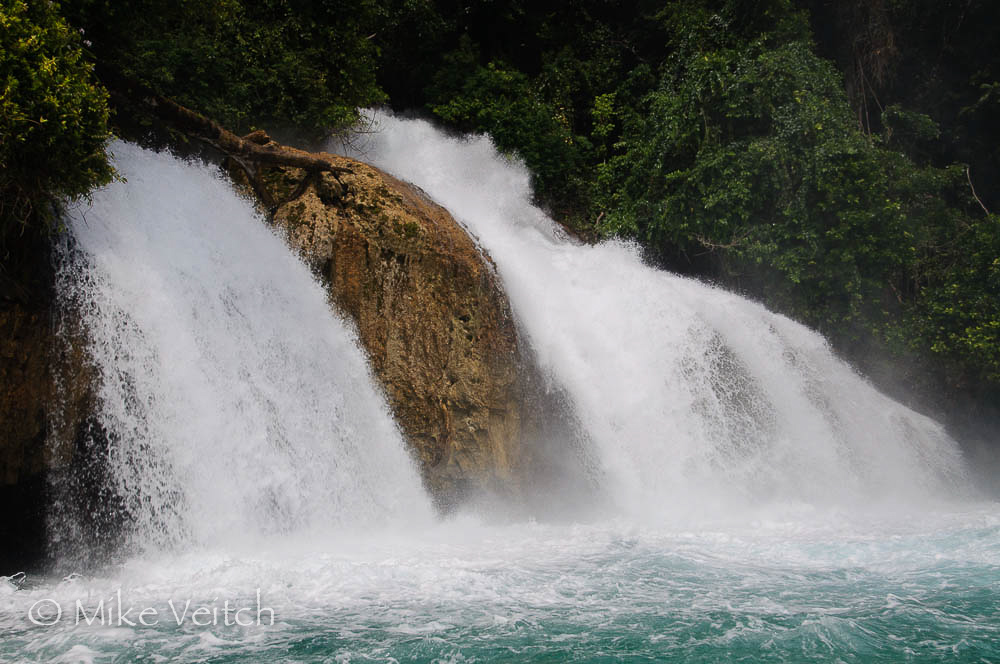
244, 63
837, 160
53, 124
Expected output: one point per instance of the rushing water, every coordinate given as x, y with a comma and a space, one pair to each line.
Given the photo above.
695, 398
763, 501
760, 591
239, 404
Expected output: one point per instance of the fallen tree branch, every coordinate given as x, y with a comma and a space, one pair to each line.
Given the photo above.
198, 126
736, 241
968, 176
272, 154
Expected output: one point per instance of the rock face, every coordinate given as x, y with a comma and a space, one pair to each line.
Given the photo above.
429, 310
24, 392
45, 396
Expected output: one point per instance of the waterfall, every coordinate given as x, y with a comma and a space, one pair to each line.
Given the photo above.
694, 398
753, 483
234, 401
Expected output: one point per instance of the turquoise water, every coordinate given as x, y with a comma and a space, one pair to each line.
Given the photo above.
765, 590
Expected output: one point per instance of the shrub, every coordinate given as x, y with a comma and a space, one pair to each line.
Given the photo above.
53, 117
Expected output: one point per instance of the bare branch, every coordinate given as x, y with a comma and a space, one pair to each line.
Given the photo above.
968, 176
737, 241
198, 125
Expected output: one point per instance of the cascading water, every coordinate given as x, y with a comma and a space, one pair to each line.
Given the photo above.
252, 457
235, 401
694, 397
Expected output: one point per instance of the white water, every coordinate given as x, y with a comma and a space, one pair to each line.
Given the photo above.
695, 399
243, 406
238, 403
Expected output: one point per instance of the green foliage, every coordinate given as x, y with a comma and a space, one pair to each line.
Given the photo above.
279, 63
751, 155
955, 313
959, 312
550, 81
752, 152
53, 117
909, 132
502, 101
935, 58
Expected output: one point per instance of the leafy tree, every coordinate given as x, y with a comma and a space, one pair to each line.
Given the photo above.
53, 118
281, 63
959, 312
752, 152
548, 80
931, 57
290, 64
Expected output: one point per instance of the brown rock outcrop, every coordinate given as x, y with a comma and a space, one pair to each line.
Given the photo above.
429, 310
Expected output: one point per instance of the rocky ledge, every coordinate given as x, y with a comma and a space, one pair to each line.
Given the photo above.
428, 308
